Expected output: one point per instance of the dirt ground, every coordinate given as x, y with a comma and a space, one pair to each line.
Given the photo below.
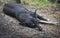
51, 13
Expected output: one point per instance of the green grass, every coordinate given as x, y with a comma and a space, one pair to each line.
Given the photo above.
40, 3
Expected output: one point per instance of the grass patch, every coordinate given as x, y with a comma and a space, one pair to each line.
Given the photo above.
39, 3
26, 2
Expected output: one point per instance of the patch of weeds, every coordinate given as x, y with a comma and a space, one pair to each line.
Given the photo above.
38, 3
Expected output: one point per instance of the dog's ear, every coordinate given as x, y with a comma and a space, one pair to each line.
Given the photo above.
35, 13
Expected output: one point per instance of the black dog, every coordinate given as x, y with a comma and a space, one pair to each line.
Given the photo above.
26, 17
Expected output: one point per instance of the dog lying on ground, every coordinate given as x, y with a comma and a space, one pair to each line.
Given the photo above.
26, 17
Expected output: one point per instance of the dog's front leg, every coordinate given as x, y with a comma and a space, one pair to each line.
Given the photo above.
48, 22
